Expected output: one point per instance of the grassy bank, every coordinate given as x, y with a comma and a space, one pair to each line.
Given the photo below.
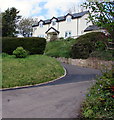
99, 101
29, 71
85, 46
60, 48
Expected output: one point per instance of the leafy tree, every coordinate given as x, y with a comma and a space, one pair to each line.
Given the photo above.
25, 27
102, 14
75, 8
9, 22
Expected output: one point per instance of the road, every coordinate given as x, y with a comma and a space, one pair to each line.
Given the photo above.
59, 99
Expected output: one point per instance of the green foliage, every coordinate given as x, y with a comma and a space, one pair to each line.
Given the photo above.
61, 38
103, 55
4, 55
20, 52
9, 20
32, 44
100, 45
31, 70
59, 48
88, 43
101, 14
99, 101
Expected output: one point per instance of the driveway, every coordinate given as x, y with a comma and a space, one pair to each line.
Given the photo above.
59, 99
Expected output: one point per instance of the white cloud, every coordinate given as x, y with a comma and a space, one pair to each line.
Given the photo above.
26, 7
62, 5
31, 8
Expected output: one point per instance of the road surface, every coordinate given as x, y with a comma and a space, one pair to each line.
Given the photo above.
59, 99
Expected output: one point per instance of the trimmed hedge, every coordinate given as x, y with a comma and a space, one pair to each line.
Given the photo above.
88, 43
34, 45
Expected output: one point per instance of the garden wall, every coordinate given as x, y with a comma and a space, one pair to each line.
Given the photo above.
91, 62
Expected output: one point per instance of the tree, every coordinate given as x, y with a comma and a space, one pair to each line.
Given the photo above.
9, 22
25, 27
72, 9
75, 8
102, 14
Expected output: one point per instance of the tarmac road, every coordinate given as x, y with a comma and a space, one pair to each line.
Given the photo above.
59, 99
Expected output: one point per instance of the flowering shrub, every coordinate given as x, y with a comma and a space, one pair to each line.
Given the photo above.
99, 101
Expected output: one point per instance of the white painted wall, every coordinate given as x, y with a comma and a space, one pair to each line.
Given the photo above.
40, 31
76, 26
67, 26
83, 24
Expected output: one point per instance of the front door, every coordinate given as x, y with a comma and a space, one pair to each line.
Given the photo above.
52, 36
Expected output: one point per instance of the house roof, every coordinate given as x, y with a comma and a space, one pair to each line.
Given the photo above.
92, 27
52, 29
77, 15
63, 18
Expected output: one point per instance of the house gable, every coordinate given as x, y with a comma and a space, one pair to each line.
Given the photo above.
52, 30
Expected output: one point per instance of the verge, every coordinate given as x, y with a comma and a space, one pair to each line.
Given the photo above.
36, 85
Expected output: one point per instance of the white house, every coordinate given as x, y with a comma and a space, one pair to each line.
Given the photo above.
70, 25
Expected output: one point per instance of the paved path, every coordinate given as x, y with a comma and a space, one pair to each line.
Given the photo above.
60, 99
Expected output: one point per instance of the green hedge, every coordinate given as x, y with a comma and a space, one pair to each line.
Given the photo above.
34, 45
88, 43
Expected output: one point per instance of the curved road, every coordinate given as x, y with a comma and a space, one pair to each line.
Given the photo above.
59, 99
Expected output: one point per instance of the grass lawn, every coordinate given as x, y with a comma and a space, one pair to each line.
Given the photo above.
29, 71
60, 48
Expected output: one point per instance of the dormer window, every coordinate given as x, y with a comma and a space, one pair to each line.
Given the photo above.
34, 29
41, 24
53, 22
68, 18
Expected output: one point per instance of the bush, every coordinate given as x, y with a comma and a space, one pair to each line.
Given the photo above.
69, 39
88, 43
61, 38
20, 52
99, 101
103, 55
34, 45
4, 55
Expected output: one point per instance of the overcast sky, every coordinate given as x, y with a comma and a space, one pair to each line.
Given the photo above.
41, 9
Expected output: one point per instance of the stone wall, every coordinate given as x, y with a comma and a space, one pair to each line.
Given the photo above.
91, 62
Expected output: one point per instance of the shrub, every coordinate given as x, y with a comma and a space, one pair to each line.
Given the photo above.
99, 101
103, 55
61, 38
69, 39
4, 54
34, 45
20, 52
88, 43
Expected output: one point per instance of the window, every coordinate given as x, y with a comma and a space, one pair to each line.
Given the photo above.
34, 29
42, 36
68, 19
41, 24
53, 22
67, 34
87, 23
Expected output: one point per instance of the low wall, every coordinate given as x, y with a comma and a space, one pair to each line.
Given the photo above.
91, 62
